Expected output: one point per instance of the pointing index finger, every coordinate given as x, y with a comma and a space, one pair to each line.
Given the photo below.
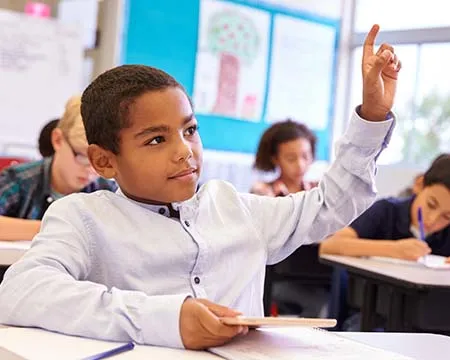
370, 41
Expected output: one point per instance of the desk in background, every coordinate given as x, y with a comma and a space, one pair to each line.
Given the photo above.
10, 252
410, 298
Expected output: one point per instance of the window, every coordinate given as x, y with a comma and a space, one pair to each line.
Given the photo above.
401, 15
423, 96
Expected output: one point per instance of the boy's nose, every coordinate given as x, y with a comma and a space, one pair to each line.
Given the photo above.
184, 151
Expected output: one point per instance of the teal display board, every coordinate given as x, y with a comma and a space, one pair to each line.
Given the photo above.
164, 34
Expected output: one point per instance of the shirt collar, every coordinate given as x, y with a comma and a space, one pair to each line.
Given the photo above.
187, 206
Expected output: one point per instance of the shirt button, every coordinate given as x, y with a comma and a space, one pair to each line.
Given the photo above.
187, 223
197, 280
162, 211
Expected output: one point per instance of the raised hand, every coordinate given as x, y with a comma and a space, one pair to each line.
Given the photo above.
380, 72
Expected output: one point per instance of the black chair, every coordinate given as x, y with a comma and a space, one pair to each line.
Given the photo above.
302, 267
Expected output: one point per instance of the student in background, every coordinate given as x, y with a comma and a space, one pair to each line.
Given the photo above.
390, 226
138, 264
45, 139
417, 183
289, 147
26, 190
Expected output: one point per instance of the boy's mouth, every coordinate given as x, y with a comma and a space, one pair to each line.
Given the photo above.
183, 173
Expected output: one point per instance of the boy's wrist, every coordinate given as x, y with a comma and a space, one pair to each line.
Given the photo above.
370, 114
390, 249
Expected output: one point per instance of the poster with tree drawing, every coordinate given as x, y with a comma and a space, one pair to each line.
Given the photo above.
231, 68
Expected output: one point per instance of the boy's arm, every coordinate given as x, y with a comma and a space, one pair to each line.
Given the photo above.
348, 187
18, 229
346, 242
11, 227
345, 191
362, 237
48, 288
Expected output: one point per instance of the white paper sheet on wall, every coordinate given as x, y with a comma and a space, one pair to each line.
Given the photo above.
301, 72
40, 68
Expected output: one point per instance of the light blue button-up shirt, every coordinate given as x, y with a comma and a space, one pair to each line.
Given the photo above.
107, 267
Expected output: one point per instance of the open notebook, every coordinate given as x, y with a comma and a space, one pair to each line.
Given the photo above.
429, 261
302, 343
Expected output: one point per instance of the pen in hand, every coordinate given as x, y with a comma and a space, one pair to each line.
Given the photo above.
112, 352
420, 221
421, 228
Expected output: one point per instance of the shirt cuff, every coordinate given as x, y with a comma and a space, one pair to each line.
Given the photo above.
370, 134
161, 320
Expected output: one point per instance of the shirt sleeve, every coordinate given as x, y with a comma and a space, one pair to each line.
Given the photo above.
48, 288
9, 194
368, 224
345, 191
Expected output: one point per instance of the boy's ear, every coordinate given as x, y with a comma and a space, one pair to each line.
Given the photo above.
418, 184
102, 161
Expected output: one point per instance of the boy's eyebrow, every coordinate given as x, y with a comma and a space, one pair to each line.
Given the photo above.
161, 128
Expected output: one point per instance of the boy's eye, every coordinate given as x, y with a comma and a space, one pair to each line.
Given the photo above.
191, 130
431, 206
155, 141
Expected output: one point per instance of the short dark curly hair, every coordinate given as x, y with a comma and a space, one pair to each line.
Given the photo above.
439, 172
106, 101
277, 134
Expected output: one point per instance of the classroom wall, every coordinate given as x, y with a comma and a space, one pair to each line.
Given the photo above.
164, 34
392, 179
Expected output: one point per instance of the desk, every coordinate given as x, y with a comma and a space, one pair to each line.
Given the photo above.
41, 344
411, 298
419, 346
10, 252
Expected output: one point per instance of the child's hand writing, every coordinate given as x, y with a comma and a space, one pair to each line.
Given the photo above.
380, 72
200, 326
410, 249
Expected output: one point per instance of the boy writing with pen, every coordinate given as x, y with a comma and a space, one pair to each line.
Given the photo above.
405, 228
140, 263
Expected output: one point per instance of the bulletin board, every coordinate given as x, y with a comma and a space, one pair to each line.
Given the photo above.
283, 64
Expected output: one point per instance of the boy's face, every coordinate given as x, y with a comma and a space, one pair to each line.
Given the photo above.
435, 203
71, 164
160, 154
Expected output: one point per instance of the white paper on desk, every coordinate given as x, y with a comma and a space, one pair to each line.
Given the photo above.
430, 261
301, 343
434, 262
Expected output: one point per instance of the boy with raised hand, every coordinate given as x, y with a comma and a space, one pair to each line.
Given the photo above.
138, 264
